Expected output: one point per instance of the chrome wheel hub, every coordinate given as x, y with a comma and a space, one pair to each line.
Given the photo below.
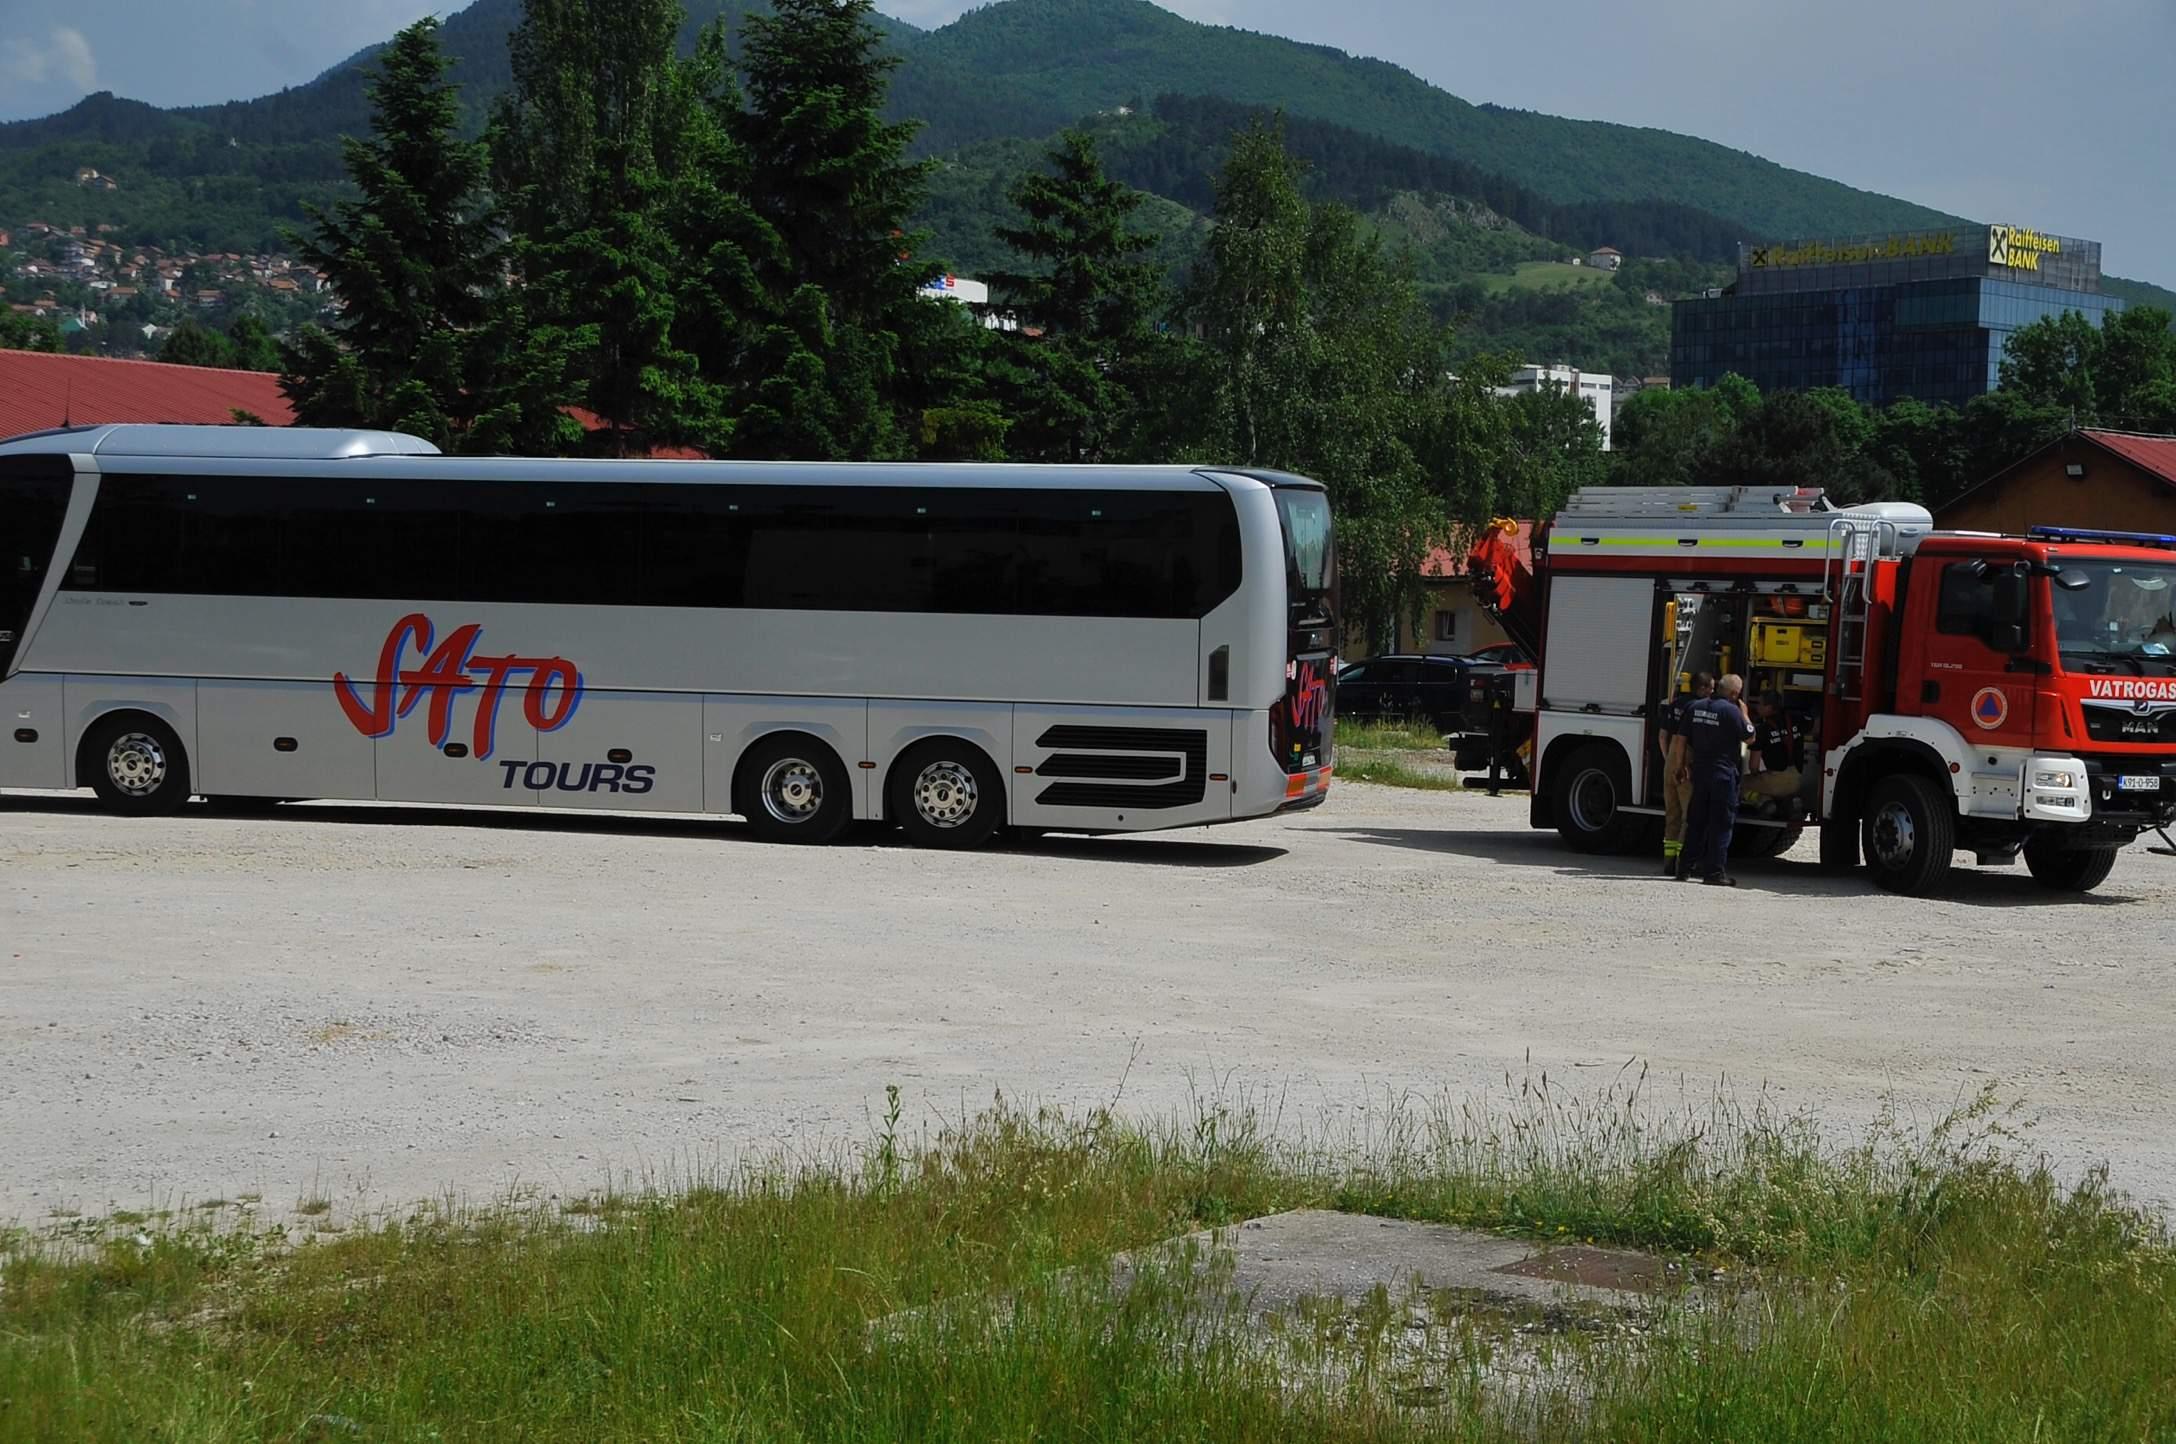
945, 794
1895, 839
136, 763
792, 789
1594, 800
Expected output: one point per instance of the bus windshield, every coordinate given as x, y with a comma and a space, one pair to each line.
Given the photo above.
1310, 558
2123, 620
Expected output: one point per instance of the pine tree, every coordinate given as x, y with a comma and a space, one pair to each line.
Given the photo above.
413, 261
1092, 298
830, 176
576, 145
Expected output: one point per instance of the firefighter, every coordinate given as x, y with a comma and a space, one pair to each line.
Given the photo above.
1675, 792
1778, 757
1716, 731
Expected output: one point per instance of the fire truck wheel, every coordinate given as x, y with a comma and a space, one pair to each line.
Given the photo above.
1909, 834
1591, 790
2074, 870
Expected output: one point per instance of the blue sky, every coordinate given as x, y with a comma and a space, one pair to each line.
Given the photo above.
2052, 114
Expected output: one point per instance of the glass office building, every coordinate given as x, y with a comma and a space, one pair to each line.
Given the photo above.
1921, 314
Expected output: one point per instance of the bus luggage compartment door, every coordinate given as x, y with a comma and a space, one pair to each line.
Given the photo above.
280, 739
1120, 769
639, 751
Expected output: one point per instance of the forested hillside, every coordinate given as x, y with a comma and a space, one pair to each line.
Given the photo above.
1019, 68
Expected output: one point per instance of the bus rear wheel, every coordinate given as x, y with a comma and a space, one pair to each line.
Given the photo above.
794, 789
136, 766
946, 793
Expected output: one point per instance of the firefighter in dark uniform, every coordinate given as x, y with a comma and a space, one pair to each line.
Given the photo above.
1716, 731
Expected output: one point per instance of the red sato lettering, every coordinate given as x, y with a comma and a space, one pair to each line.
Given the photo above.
449, 670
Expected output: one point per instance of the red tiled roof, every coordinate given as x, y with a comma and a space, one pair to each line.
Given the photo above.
39, 391
2156, 454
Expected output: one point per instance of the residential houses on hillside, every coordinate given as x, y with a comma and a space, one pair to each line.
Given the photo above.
85, 279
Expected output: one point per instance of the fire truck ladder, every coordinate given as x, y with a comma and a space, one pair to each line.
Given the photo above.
1854, 545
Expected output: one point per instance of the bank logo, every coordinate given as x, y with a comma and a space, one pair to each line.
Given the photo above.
2019, 248
1990, 707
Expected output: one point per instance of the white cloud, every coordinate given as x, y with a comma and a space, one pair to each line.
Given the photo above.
64, 58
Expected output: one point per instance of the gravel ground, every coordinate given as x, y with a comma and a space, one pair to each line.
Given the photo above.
375, 1005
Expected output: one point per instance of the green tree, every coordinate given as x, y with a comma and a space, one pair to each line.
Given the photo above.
1817, 438
597, 98
831, 177
1552, 448
414, 260
1091, 295
192, 343
1665, 436
19, 332
254, 348
1324, 361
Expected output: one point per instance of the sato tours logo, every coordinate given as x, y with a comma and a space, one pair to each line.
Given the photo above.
413, 665
1990, 707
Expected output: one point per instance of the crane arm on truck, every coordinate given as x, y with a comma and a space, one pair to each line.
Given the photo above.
1504, 585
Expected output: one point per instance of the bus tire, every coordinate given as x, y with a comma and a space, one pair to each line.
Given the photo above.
793, 788
1589, 792
2077, 869
136, 765
946, 793
1909, 833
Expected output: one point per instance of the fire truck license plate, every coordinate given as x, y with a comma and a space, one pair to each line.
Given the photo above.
2139, 784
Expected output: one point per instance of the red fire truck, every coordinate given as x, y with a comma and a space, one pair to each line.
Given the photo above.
2004, 696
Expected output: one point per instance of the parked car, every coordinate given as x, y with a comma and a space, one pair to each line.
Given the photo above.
1404, 687
1503, 654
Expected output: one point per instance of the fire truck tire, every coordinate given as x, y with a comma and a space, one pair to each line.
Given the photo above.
1839, 844
1591, 790
1754, 843
1909, 834
2073, 870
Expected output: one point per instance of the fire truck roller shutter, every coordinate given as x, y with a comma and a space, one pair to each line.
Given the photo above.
1601, 634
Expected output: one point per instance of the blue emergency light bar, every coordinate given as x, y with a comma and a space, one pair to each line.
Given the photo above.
2120, 538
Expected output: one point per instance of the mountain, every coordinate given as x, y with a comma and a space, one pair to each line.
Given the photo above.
987, 86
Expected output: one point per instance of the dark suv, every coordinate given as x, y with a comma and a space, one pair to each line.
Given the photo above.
1404, 687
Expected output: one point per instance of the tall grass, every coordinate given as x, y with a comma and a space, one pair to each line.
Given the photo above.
1941, 1285
1403, 736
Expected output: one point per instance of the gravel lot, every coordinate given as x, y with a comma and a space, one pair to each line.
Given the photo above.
375, 1005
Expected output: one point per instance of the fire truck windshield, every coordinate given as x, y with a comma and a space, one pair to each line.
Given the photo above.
2123, 620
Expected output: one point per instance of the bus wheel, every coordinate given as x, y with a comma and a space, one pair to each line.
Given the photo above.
1589, 794
795, 789
136, 766
945, 793
1909, 833
2079, 869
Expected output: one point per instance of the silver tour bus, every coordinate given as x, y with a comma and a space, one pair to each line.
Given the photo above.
257, 615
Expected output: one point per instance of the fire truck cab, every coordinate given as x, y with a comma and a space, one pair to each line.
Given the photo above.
2004, 696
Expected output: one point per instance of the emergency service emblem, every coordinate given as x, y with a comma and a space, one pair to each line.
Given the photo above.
1990, 707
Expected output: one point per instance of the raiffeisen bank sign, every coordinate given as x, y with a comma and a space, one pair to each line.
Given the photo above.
2020, 247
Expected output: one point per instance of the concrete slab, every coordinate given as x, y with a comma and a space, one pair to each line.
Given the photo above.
1316, 1254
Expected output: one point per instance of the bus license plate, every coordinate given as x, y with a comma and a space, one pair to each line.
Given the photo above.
2139, 784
